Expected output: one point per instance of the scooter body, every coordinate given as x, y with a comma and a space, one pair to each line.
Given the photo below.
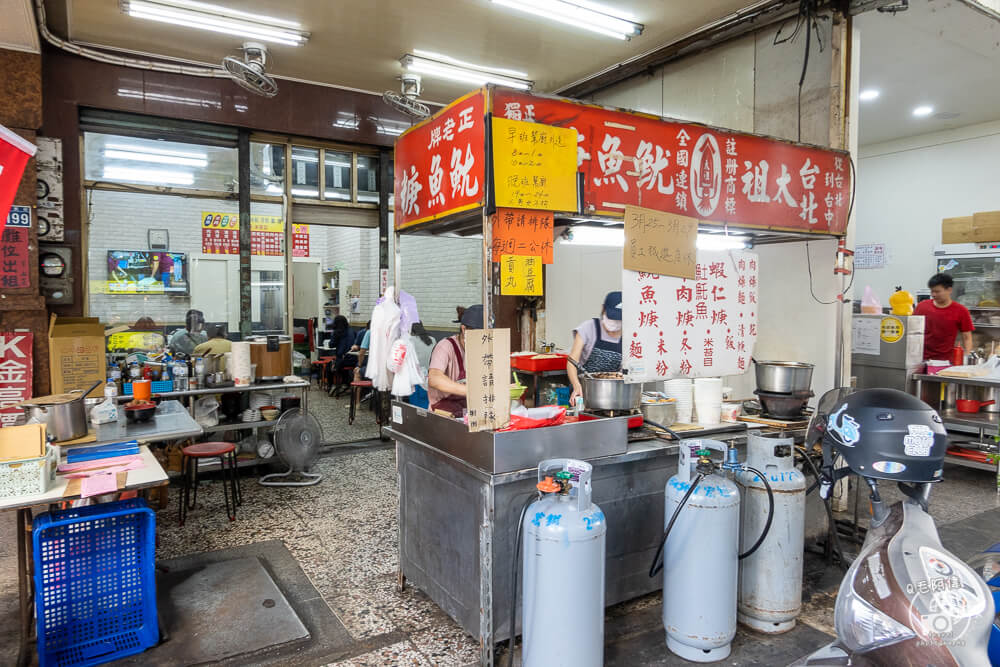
905, 600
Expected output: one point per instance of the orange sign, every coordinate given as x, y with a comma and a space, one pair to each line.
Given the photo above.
522, 232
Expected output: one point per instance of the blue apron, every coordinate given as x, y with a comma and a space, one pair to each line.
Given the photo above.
606, 356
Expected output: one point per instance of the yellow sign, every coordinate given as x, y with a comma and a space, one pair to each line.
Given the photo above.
258, 223
521, 274
534, 165
891, 329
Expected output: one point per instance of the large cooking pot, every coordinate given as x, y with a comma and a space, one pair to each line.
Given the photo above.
63, 421
783, 377
610, 394
272, 355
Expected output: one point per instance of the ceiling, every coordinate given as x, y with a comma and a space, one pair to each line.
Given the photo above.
17, 29
358, 43
941, 53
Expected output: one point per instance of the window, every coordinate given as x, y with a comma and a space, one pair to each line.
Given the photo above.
115, 158
305, 172
338, 176
267, 169
338, 183
367, 179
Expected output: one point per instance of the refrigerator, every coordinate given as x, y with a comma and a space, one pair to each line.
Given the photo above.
975, 268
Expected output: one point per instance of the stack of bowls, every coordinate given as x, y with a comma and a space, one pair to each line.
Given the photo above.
680, 390
708, 400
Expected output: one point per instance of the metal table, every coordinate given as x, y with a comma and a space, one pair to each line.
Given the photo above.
271, 386
171, 422
983, 424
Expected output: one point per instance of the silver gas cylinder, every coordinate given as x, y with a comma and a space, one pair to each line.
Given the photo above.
770, 590
564, 546
700, 560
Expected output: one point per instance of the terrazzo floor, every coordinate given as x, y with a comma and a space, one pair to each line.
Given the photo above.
332, 415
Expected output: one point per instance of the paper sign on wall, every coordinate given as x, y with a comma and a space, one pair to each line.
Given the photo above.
520, 275
865, 335
487, 366
659, 242
15, 374
534, 165
521, 232
14, 253
869, 256
676, 327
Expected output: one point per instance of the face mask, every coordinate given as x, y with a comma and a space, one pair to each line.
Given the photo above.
611, 325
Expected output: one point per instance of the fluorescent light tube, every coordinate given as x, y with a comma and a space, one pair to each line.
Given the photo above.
923, 110
152, 157
159, 176
217, 19
581, 14
470, 75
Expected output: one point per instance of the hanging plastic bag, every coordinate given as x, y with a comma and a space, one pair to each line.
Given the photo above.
408, 375
384, 332
870, 305
522, 418
206, 411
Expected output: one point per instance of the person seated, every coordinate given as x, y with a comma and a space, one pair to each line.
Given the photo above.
217, 344
183, 341
340, 343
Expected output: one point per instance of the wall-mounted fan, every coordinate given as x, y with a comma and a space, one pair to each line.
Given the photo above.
407, 101
249, 72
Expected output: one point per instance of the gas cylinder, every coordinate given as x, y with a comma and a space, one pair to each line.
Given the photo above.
700, 559
564, 543
770, 592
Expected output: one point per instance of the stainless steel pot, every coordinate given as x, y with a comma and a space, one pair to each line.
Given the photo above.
604, 394
783, 377
63, 421
664, 414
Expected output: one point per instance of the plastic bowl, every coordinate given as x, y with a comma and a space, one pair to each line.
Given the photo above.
270, 415
140, 413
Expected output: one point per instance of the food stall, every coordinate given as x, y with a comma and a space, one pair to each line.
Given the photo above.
520, 166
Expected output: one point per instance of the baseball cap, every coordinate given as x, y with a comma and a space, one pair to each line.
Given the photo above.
472, 318
613, 305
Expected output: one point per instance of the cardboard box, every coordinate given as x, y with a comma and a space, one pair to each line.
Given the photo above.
986, 226
957, 230
76, 354
22, 442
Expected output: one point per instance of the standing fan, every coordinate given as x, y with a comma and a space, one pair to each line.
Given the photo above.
297, 437
249, 73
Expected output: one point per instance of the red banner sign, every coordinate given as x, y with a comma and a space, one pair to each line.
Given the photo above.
440, 164
15, 374
693, 170
300, 240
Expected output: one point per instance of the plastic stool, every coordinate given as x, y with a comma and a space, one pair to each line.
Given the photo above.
226, 453
356, 387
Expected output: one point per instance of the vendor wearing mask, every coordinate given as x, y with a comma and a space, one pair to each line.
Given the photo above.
446, 389
597, 344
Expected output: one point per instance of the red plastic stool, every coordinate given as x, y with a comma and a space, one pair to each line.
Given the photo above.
226, 453
356, 388
319, 369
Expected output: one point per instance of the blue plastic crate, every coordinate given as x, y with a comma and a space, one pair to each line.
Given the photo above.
95, 587
155, 387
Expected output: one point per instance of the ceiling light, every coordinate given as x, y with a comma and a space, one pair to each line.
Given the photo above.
305, 192
119, 152
923, 110
517, 74
868, 95
157, 176
582, 14
721, 242
476, 76
217, 19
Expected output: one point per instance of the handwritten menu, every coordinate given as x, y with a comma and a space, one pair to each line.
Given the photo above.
14, 272
679, 327
487, 375
520, 232
534, 165
520, 275
15, 374
220, 235
659, 242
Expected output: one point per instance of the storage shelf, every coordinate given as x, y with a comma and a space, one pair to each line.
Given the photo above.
987, 421
969, 463
232, 426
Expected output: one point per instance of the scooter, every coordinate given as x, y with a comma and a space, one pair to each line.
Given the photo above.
905, 600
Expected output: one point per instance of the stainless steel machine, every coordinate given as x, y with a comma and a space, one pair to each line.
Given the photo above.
886, 350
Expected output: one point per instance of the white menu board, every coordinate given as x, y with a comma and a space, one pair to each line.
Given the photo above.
678, 327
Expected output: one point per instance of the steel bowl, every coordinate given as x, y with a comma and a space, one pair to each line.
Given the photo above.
611, 394
783, 377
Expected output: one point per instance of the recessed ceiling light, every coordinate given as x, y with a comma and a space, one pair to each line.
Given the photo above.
470, 74
591, 16
868, 95
923, 110
203, 16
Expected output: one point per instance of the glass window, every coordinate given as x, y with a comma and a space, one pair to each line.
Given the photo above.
338, 176
305, 172
267, 169
112, 158
367, 179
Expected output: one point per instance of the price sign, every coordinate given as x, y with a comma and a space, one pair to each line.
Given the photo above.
534, 165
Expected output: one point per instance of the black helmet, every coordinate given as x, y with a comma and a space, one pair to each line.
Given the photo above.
881, 433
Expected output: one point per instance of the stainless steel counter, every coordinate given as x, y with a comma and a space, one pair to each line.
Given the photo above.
171, 422
460, 495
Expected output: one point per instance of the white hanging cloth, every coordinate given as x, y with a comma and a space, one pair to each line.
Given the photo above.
384, 332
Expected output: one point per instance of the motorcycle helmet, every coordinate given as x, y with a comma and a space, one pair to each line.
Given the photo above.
881, 433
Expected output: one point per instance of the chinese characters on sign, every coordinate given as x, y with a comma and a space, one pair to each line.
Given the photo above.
440, 166
520, 274
520, 232
694, 170
658, 242
220, 235
14, 273
869, 256
15, 374
679, 327
487, 376
534, 166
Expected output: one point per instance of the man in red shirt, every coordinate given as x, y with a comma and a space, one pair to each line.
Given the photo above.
943, 320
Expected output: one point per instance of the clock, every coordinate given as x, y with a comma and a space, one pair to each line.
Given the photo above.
159, 239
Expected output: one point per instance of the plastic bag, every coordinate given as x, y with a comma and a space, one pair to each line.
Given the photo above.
870, 305
524, 418
206, 411
407, 375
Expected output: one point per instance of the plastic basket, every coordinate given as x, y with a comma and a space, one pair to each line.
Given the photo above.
156, 387
28, 477
95, 588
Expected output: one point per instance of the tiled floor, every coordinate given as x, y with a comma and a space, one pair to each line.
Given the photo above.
332, 415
